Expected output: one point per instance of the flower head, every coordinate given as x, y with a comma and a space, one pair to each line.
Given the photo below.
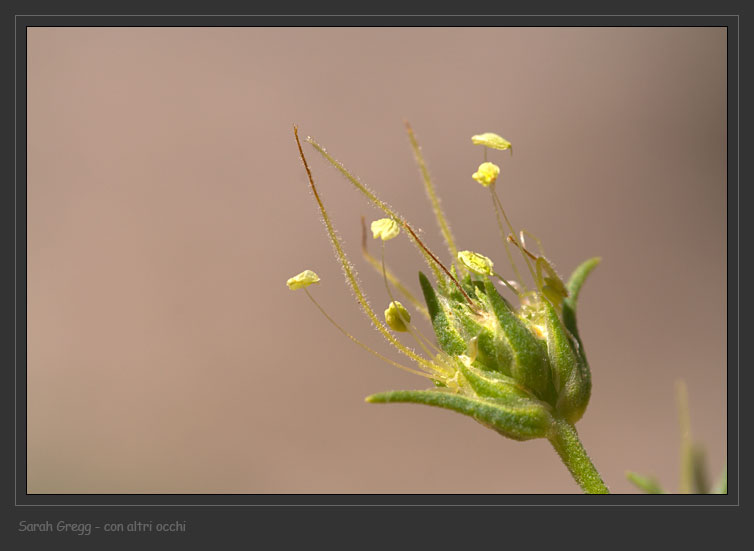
517, 369
486, 174
304, 279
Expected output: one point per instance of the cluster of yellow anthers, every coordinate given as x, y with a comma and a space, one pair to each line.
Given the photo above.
440, 368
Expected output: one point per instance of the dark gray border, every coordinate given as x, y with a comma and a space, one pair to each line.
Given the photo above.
125, 504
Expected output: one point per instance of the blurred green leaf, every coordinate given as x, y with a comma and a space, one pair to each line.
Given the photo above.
648, 484
722, 485
694, 479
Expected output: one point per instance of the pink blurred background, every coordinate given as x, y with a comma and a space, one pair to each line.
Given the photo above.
167, 206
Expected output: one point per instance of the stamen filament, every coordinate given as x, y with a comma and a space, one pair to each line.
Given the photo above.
503, 234
510, 226
428, 255
507, 284
387, 273
361, 344
371, 196
453, 279
522, 248
349, 271
415, 333
535, 238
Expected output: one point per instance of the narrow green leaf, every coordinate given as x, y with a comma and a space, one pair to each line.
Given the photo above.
700, 478
694, 479
521, 422
647, 484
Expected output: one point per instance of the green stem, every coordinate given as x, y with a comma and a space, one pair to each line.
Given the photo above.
566, 442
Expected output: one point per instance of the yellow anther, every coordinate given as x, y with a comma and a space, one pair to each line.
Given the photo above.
385, 229
397, 317
477, 263
304, 279
486, 174
493, 141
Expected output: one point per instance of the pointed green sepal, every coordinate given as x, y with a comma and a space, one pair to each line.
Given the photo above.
488, 384
493, 354
519, 422
447, 336
578, 277
574, 284
647, 484
570, 374
492, 351
530, 366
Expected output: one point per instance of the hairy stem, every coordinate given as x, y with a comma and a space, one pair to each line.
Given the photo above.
566, 442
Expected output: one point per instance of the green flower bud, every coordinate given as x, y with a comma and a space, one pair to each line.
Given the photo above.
456, 326
504, 343
396, 317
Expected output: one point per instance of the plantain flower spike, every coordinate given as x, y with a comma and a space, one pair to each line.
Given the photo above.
519, 369
477, 263
397, 317
304, 279
486, 174
493, 141
385, 229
